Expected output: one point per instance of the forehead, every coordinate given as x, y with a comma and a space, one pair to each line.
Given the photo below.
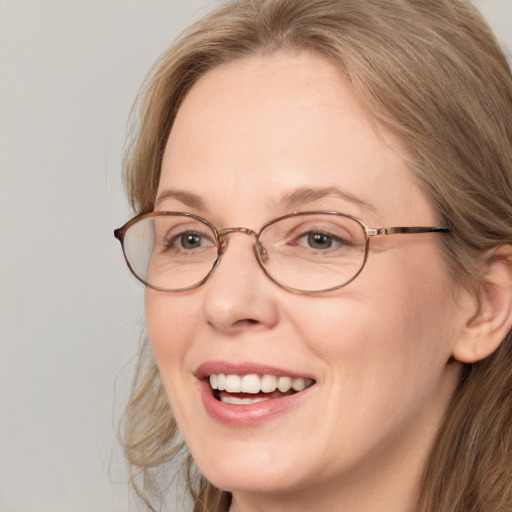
256, 129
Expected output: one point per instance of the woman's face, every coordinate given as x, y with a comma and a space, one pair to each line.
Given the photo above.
253, 140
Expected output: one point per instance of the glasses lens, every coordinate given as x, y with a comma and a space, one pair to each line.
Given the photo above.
313, 252
170, 252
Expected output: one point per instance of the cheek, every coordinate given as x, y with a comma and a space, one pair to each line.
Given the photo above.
392, 325
386, 355
170, 322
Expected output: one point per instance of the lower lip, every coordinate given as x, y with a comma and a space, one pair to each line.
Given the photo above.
249, 415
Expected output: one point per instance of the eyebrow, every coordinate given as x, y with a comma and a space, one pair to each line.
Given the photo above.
290, 200
310, 194
187, 198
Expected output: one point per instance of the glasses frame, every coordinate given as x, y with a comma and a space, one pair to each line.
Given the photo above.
222, 243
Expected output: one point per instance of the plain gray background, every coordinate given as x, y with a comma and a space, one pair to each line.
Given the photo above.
70, 313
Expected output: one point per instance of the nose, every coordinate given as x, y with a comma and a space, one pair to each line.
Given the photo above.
238, 295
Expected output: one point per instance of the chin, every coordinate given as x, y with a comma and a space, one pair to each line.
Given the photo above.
249, 470
250, 481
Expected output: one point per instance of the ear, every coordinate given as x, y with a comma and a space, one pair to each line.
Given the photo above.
490, 318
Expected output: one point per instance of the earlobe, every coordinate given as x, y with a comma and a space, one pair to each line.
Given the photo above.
491, 318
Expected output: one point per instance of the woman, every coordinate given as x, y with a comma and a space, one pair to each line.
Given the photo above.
311, 361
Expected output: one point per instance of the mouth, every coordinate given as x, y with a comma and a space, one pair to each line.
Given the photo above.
252, 388
248, 394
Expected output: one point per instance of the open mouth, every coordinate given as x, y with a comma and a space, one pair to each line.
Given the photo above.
253, 388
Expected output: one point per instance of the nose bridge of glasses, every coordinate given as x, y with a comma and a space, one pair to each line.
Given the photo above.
223, 233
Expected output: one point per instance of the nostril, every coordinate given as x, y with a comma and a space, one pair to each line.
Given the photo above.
246, 322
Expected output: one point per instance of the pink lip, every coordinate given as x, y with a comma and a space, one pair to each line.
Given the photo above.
247, 415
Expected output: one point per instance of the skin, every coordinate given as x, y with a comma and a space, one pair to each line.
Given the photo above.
380, 349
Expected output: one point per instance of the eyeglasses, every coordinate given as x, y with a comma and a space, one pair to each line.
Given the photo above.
303, 252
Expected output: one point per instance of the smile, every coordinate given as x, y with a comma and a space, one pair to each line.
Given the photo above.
253, 388
248, 394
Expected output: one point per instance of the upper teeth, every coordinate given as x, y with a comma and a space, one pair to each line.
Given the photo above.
253, 383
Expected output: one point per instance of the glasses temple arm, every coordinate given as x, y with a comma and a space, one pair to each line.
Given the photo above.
405, 230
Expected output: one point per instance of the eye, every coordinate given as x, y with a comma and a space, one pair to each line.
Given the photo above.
313, 235
320, 240
188, 240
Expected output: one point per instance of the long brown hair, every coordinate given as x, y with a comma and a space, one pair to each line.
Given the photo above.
432, 72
